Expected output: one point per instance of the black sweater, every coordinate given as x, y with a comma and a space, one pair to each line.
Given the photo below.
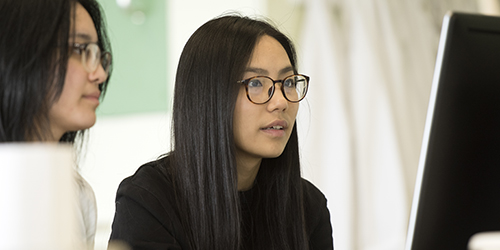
146, 217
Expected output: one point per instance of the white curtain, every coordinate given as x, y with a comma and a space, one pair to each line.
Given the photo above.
371, 64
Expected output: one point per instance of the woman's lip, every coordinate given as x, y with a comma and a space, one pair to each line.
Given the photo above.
93, 97
277, 123
274, 132
276, 128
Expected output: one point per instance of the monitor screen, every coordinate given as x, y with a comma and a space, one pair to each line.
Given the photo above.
457, 192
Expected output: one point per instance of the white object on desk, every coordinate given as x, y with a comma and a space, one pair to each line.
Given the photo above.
37, 196
485, 241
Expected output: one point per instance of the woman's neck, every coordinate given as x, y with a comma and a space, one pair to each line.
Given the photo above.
247, 172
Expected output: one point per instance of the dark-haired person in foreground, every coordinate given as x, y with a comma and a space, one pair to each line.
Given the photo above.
232, 180
54, 70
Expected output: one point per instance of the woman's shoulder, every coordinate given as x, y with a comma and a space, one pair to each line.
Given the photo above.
87, 210
317, 216
312, 193
146, 211
151, 170
152, 178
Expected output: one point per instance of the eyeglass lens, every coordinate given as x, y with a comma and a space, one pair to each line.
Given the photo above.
92, 58
261, 89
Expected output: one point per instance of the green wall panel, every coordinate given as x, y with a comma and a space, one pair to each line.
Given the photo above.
138, 83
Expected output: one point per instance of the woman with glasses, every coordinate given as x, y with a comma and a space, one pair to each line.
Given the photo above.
232, 180
54, 68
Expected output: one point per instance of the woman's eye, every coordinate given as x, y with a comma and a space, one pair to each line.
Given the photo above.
77, 51
255, 83
289, 83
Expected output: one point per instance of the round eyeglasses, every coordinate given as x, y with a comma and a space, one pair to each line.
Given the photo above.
260, 89
91, 57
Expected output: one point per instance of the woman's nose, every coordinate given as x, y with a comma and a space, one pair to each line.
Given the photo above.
99, 75
278, 100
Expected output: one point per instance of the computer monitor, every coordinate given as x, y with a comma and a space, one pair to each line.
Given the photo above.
457, 192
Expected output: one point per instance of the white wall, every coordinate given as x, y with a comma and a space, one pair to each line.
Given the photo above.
117, 146
185, 16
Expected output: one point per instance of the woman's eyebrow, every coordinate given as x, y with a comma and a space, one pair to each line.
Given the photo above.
265, 72
286, 70
82, 36
257, 70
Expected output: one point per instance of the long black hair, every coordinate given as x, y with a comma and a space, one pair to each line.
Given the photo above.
34, 54
203, 163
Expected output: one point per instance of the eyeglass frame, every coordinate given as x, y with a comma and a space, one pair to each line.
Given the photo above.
82, 47
246, 81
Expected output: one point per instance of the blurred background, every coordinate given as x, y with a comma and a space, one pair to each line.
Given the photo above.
360, 128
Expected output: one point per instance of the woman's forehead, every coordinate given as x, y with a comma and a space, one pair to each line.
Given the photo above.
83, 28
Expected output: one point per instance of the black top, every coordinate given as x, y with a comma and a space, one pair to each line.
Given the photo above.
146, 217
